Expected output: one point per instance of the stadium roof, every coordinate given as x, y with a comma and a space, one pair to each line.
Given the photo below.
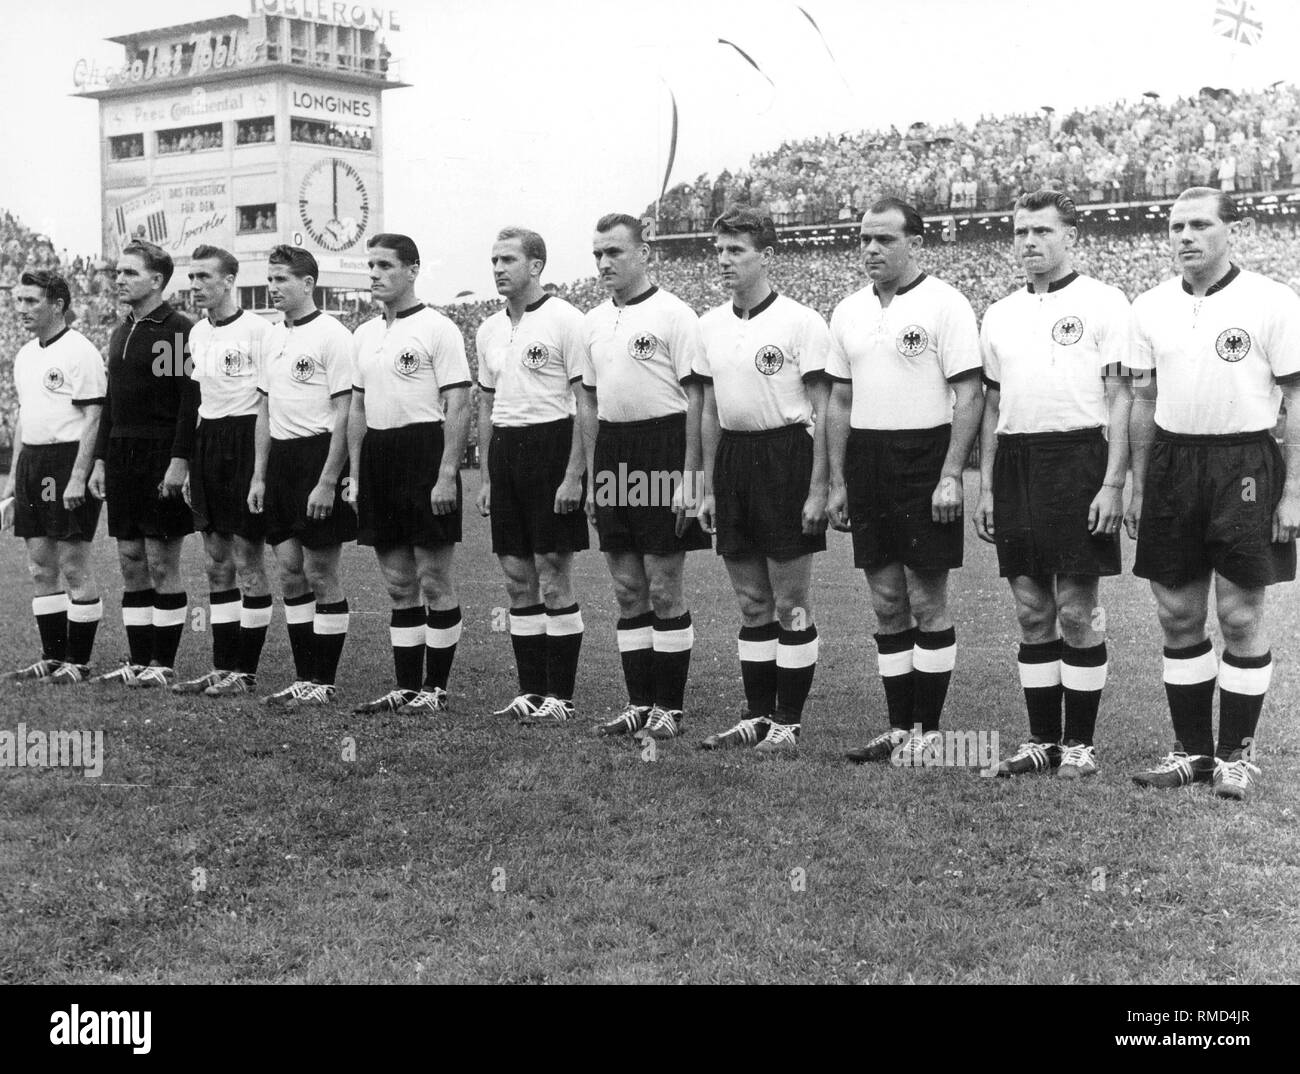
220, 22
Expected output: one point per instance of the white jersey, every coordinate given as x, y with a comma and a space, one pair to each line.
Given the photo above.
530, 367
54, 382
900, 358
759, 364
308, 364
637, 356
404, 368
1218, 359
228, 356
1048, 353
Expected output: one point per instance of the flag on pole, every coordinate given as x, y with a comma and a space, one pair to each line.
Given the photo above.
672, 148
1238, 21
748, 59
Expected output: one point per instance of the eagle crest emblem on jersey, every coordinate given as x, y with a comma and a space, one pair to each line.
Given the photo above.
769, 360
1068, 330
1233, 344
231, 363
304, 367
912, 341
407, 363
53, 379
643, 346
536, 355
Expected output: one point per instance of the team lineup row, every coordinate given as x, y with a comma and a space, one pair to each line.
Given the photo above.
304, 436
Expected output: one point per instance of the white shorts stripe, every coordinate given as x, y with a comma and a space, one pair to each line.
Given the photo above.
225, 613
169, 617
1039, 676
934, 661
674, 641
527, 626
757, 652
252, 618
1087, 679
330, 623
1201, 668
299, 613
442, 637
406, 637
51, 604
558, 626
797, 656
137, 616
892, 665
85, 613
631, 640
1252, 682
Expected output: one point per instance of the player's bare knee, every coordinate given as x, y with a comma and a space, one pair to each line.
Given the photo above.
794, 610
1077, 625
44, 574
666, 597
756, 609
1240, 623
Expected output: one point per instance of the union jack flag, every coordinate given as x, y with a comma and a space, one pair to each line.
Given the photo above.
1237, 21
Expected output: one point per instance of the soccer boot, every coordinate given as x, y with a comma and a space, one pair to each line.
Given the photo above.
1177, 769
282, 698
124, 674
521, 707
1032, 757
1235, 777
748, 732
201, 684
69, 674
234, 684
920, 751
431, 702
42, 669
663, 723
628, 722
393, 701
880, 748
1077, 762
781, 738
552, 710
317, 695
152, 677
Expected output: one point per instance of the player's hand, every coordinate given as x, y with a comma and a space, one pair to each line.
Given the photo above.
178, 472
96, 483
185, 492
351, 490
837, 508
984, 516
814, 512
443, 497
708, 513
320, 504
948, 500
568, 497
6, 511
1133, 514
256, 495
1106, 511
1286, 519
685, 505
74, 493
484, 499
590, 506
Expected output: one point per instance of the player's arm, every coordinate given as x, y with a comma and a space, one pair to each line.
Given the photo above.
1286, 519
356, 434
568, 497
1107, 509
320, 503
445, 496
814, 508
838, 409
1141, 431
589, 421
187, 420
96, 485
10, 481
486, 400
968, 409
261, 452
684, 499
74, 492
710, 434
988, 452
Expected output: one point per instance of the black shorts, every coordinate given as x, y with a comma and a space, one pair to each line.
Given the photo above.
1208, 504
133, 469
631, 487
399, 468
292, 470
890, 477
220, 475
42, 475
760, 484
1043, 485
526, 466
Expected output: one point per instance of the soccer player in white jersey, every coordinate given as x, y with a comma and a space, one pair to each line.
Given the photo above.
405, 459
764, 446
642, 460
60, 384
1213, 497
905, 408
534, 471
227, 347
298, 470
1053, 464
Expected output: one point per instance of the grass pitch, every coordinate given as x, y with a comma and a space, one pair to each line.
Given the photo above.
227, 843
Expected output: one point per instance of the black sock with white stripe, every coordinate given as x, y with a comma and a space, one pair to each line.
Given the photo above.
137, 617
1189, 675
933, 659
796, 663
51, 613
441, 636
528, 639
254, 619
223, 613
636, 651
299, 618
83, 622
1083, 676
563, 646
1243, 682
1039, 664
406, 633
168, 624
673, 640
329, 632
894, 661
757, 647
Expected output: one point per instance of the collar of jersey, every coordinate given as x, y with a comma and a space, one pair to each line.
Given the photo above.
1233, 273
902, 290
304, 320
53, 340
756, 310
229, 320
160, 314
533, 307
1055, 285
654, 290
410, 312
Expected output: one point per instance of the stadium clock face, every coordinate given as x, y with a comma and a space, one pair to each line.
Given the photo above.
334, 204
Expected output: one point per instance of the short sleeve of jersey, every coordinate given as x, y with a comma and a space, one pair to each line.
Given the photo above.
87, 377
837, 360
358, 366
585, 364
701, 366
271, 340
1115, 333
338, 352
959, 341
814, 344
1141, 353
687, 343
571, 337
450, 365
989, 353
486, 379
1283, 340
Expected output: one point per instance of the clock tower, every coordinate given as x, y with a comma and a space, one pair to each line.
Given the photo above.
248, 131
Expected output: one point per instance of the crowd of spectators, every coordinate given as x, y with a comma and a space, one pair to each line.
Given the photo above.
255, 218
190, 139
251, 131
1147, 149
126, 146
316, 133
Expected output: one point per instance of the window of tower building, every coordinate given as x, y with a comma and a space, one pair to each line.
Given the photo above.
335, 135
126, 146
254, 298
190, 139
254, 131
256, 218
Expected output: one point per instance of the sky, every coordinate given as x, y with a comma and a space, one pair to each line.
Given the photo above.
549, 115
